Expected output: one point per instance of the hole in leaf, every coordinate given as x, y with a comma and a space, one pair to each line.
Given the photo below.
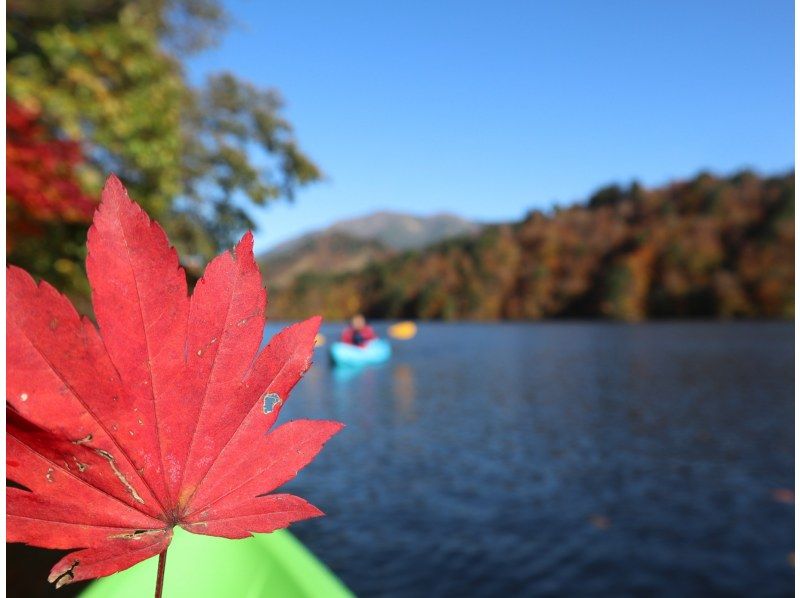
271, 401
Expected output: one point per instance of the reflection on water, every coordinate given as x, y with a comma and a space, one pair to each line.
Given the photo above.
343, 373
404, 391
567, 459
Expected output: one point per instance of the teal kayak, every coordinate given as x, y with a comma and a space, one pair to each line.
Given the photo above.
376, 351
267, 565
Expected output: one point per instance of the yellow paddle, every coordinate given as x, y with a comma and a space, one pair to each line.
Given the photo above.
403, 331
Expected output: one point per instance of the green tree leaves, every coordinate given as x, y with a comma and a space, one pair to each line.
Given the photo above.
107, 74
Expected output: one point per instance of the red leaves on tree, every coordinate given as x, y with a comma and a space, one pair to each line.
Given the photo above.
40, 170
160, 417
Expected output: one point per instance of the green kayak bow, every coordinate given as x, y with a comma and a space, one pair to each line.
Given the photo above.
275, 565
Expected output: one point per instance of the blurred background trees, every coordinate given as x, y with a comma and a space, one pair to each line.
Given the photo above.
97, 86
707, 247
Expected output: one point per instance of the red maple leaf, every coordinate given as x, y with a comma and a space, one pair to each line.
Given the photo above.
158, 419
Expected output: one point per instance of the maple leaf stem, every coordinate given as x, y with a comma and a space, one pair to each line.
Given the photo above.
162, 563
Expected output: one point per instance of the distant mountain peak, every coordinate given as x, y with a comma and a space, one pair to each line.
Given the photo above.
351, 244
398, 230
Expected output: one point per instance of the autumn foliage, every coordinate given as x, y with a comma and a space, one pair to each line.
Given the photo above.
706, 247
158, 418
41, 179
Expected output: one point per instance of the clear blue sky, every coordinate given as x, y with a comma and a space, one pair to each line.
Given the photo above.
488, 109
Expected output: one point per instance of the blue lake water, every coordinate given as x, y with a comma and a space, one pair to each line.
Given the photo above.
558, 459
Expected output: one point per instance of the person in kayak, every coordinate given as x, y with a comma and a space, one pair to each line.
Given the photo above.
359, 333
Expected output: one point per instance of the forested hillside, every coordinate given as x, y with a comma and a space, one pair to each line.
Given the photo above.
707, 247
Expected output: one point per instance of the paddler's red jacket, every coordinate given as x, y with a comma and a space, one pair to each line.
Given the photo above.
367, 334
